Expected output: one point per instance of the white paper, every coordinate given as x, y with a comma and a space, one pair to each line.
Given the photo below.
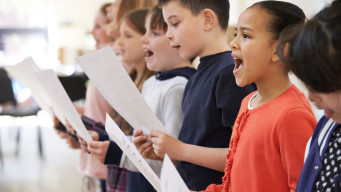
23, 72
107, 73
49, 93
171, 180
61, 102
129, 149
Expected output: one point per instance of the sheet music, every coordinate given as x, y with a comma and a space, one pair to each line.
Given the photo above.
61, 101
171, 180
24, 72
107, 73
49, 93
129, 149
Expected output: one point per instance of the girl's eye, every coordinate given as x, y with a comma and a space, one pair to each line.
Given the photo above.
235, 34
175, 24
246, 36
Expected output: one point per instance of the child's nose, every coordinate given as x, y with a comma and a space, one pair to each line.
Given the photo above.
234, 44
169, 35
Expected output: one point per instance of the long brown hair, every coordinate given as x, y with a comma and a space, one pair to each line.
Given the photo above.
136, 20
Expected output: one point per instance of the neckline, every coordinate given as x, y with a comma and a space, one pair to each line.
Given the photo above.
251, 109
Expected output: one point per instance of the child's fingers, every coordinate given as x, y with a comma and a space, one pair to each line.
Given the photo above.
155, 140
95, 144
137, 133
147, 151
94, 135
139, 140
145, 146
81, 140
155, 133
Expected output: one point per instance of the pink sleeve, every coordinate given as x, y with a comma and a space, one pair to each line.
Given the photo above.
96, 106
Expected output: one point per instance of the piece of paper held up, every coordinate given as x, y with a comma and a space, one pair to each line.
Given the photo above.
24, 72
171, 180
61, 101
49, 93
107, 73
129, 149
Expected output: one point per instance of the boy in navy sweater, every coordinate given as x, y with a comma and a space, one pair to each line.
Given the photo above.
211, 98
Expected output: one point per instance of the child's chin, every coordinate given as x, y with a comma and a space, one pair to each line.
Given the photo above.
239, 82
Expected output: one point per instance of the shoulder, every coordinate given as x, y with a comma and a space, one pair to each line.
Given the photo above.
294, 100
174, 84
225, 63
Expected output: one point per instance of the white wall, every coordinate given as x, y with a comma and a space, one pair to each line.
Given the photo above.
310, 7
74, 20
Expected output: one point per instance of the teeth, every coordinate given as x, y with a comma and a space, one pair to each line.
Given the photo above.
240, 66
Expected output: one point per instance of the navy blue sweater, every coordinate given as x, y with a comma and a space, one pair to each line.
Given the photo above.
210, 106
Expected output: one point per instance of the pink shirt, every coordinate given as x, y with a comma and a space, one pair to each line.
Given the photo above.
95, 108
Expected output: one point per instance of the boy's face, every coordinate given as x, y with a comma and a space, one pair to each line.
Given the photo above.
329, 102
159, 54
184, 29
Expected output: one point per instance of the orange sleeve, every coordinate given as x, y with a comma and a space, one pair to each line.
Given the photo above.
294, 131
213, 188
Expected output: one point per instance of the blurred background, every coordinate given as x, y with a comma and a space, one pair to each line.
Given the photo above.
54, 33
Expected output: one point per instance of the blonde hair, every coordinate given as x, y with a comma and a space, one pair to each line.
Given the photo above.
123, 7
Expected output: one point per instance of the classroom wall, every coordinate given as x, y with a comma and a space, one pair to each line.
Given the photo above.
75, 18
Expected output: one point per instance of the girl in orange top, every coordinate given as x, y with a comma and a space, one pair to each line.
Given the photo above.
274, 124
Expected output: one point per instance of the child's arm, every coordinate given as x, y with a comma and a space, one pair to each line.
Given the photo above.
213, 158
294, 131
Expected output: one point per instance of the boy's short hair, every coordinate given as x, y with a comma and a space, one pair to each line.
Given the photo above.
220, 7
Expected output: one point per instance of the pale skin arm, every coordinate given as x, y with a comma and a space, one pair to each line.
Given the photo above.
213, 158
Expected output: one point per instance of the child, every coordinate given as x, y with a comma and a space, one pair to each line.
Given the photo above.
95, 107
131, 52
164, 91
274, 123
320, 70
211, 98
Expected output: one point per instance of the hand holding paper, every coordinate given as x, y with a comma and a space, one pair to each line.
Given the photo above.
61, 102
129, 149
145, 146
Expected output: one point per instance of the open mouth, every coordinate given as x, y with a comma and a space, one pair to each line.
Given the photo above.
238, 65
148, 53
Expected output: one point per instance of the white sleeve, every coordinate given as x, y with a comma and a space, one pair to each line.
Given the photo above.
172, 114
307, 148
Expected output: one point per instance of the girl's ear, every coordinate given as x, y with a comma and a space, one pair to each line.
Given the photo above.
209, 19
275, 58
